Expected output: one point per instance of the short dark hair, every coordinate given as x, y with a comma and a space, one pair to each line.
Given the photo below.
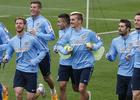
127, 23
24, 20
137, 13
37, 2
66, 17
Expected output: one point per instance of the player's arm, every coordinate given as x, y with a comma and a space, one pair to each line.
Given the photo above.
130, 55
38, 45
111, 56
97, 40
60, 44
9, 53
49, 30
4, 40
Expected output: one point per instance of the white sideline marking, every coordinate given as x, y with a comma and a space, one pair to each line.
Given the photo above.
5, 15
111, 32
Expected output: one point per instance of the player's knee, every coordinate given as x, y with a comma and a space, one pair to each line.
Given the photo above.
75, 89
136, 96
82, 90
18, 95
62, 88
47, 78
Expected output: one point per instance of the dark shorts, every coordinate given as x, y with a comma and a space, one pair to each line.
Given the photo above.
82, 75
26, 80
136, 79
64, 73
44, 65
124, 85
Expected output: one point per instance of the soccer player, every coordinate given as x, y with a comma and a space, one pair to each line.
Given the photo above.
26, 47
40, 27
82, 58
136, 51
121, 46
4, 39
65, 68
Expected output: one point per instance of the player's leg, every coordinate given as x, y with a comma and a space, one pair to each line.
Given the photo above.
31, 85
135, 84
129, 90
62, 87
82, 77
1, 97
19, 83
40, 90
121, 87
63, 78
45, 70
74, 86
19, 93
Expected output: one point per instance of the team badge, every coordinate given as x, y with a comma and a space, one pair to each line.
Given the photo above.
37, 24
26, 44
83, 37
131, 45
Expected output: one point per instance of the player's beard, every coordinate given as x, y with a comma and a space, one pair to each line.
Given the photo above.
123, 34
19, 31
137, 28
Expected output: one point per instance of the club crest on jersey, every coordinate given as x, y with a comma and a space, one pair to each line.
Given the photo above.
131, 45
26, 44
83, 37
37, 24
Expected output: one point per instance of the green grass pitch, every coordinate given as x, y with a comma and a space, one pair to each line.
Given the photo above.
104, 16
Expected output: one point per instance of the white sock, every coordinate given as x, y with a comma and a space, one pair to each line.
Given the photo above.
41, 89
3, 89
53, 91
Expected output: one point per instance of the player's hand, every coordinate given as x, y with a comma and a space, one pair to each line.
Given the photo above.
109, 55
90, 47
128, 58
69, 51
33, 32
55, 51
4, 60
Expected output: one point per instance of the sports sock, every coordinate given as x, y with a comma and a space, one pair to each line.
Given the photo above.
53, 91
40, 88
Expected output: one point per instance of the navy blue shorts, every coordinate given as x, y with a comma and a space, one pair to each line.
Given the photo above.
136, 79
124, 85
82, 75
44, 65
26, 80
64, 73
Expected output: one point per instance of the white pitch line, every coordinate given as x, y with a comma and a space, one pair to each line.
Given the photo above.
111, 32
5, 15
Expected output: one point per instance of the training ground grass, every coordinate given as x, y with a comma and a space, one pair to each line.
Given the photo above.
103, 81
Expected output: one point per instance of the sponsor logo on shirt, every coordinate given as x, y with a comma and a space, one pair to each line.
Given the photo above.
78, 43
125, 50
22, 50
